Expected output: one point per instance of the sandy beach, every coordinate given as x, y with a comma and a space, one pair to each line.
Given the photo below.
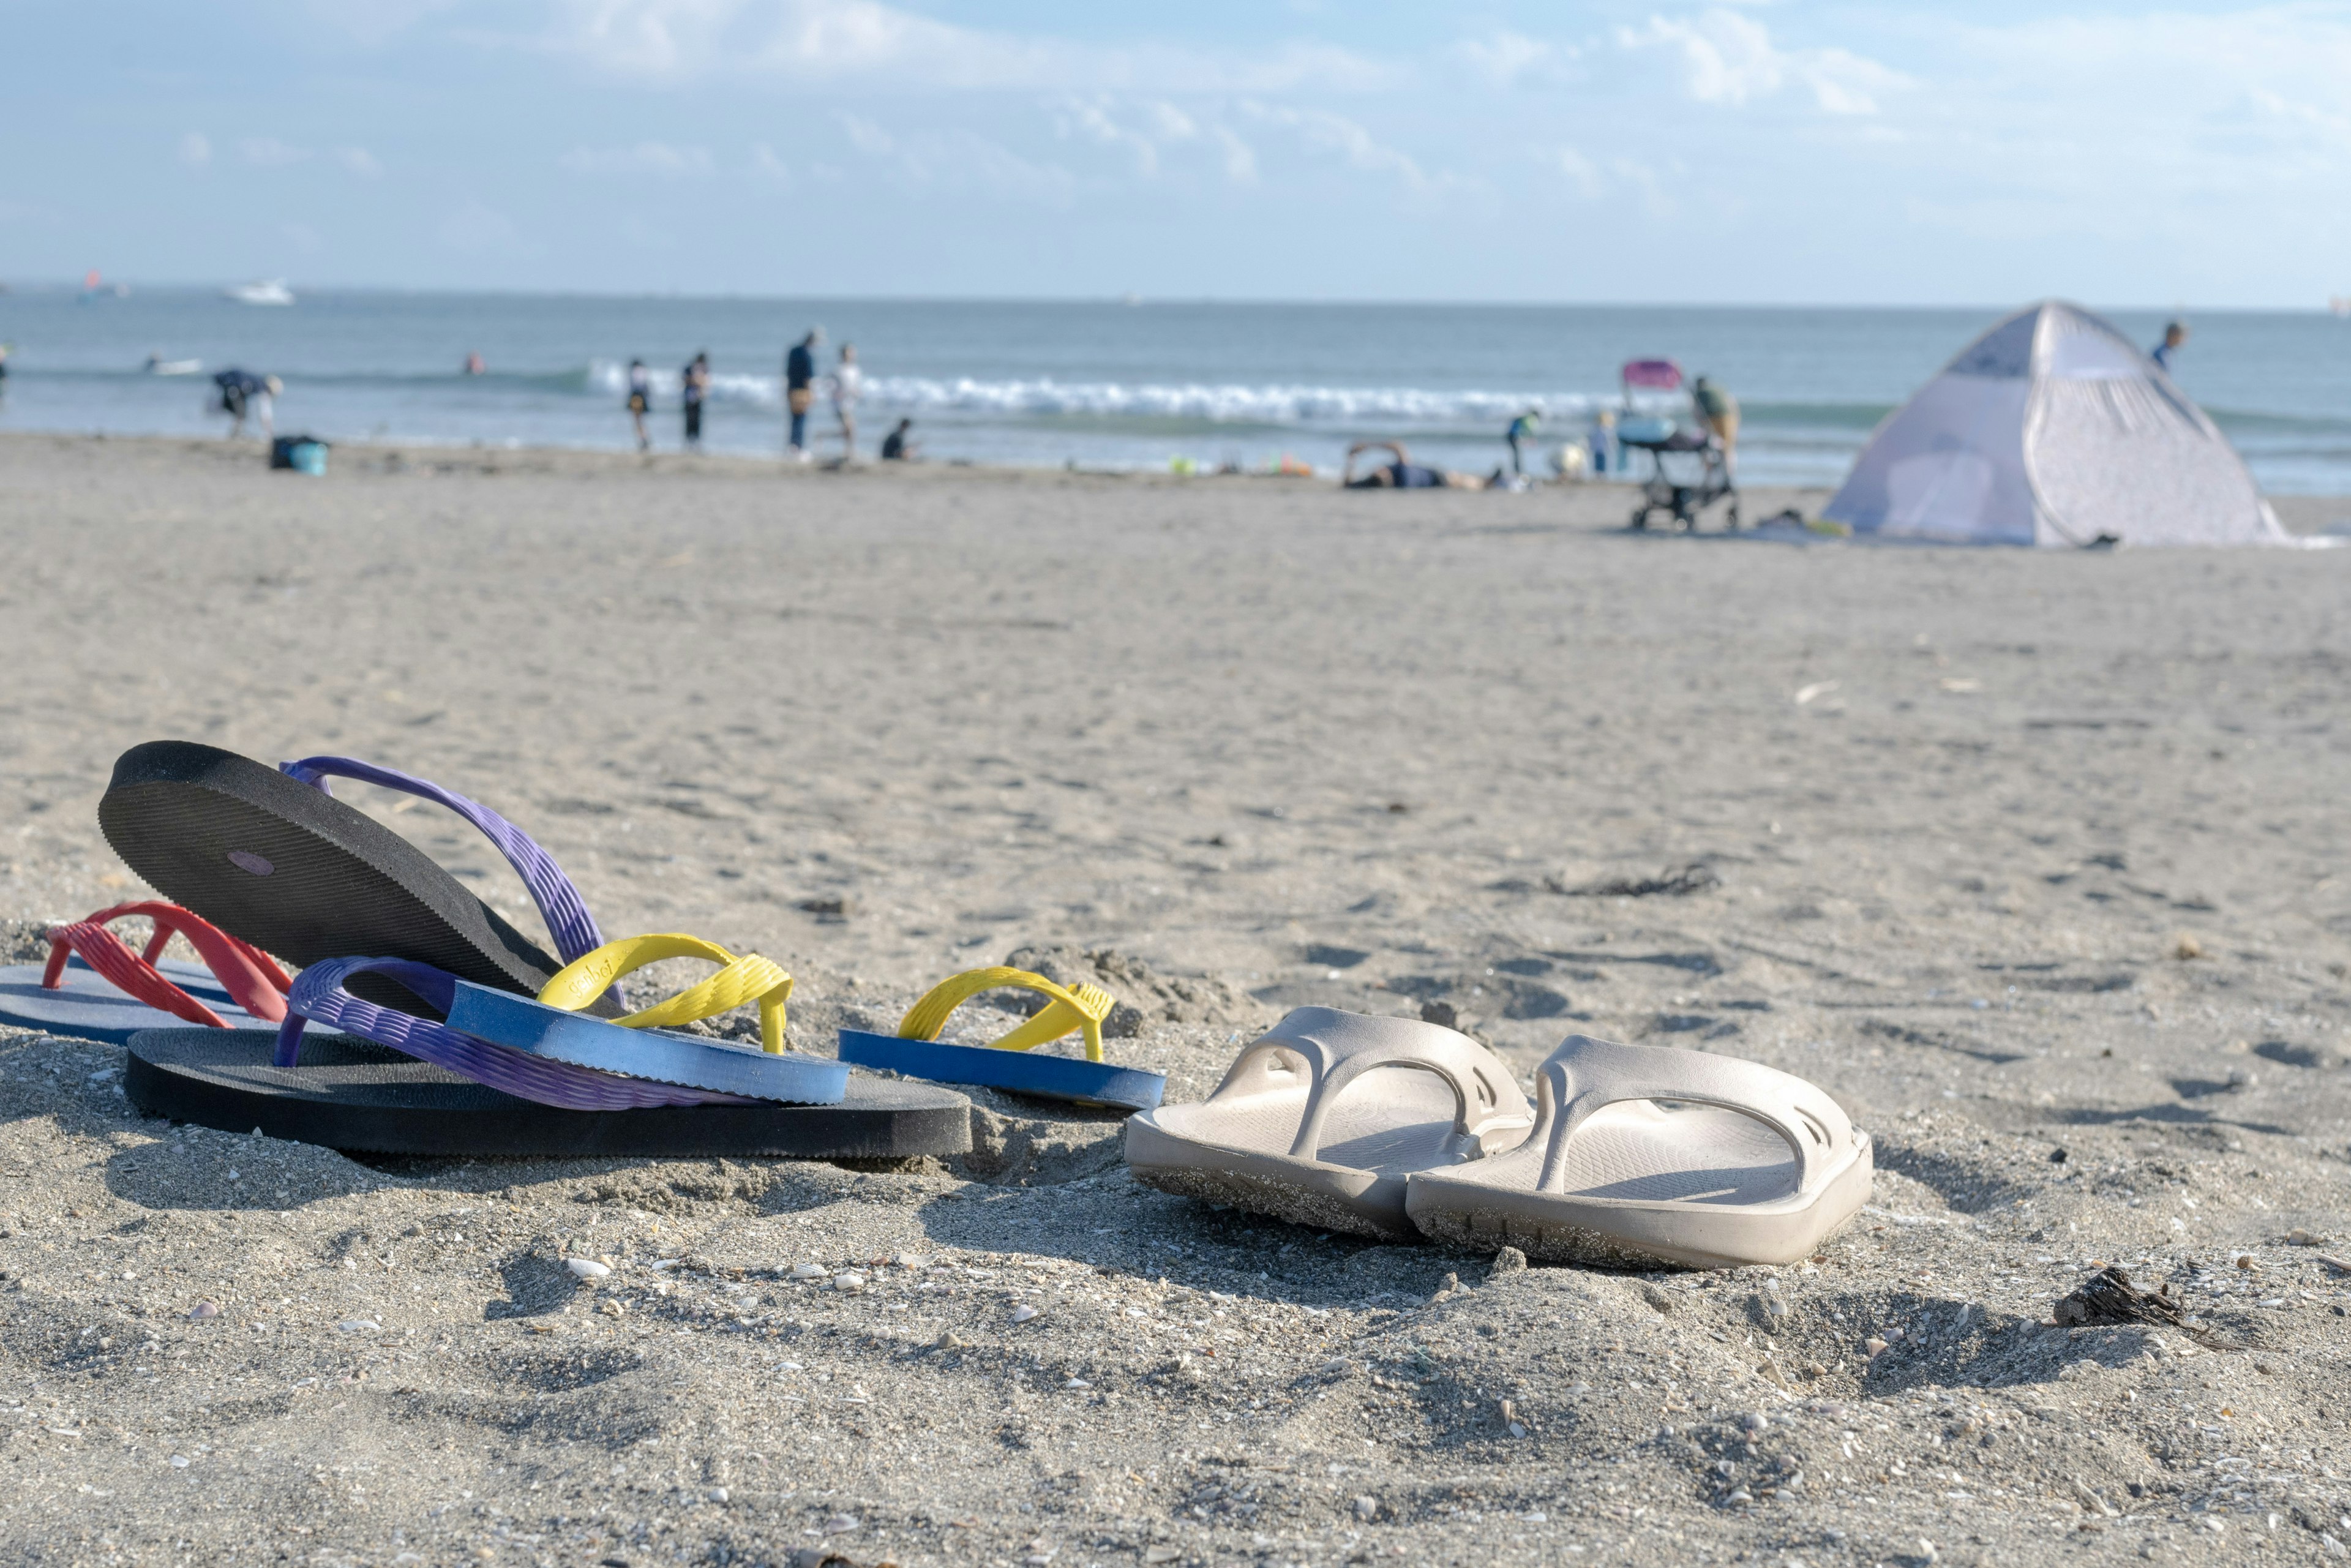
2033, 860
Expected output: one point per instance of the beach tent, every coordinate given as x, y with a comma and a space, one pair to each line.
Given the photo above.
2053, 429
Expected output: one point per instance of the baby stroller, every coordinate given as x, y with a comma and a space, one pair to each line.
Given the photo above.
1687, 467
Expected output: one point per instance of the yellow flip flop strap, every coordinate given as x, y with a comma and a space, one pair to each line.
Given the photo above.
746, 979
1078, 1008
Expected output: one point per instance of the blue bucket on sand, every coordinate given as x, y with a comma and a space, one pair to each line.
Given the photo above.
302, 454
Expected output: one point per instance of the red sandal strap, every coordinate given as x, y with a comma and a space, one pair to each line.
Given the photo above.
252, 979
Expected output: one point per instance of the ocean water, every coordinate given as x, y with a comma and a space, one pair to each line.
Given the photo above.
1099, 385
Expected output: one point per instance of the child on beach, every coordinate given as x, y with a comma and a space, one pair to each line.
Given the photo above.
848, 385
640, 402
694, 380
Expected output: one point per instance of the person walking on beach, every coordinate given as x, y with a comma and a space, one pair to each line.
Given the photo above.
2174, 333
1522, 428
848, 385
243, 393
800, 391
640, 402
695, 381
1720, 411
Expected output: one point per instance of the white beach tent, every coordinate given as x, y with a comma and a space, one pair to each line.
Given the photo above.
2053, 429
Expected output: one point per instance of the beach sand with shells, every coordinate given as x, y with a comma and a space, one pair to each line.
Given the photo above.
2033, 860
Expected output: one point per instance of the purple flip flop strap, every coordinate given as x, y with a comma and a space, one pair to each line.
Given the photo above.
319, 994
560, 903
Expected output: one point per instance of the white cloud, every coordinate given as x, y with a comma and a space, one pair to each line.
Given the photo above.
1727, 59
765, 165
1241, 158
867, 137
360, 162
959, 160
657, 160
1327, 133
826, 40
1579, 171
195, 149
1503, 58
1094, 122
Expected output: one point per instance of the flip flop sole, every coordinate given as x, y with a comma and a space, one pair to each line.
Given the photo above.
350, 1094
299, 873
1021, 1072
1617, 1234
1359, 1203
87, 1006
659, 1054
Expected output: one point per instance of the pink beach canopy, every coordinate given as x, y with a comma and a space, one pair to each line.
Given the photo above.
1663, 374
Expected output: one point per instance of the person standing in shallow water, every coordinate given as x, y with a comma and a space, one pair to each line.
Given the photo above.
694, 380
640, 402
800, 391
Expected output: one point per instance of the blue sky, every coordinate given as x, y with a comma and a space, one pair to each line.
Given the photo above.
1735, 154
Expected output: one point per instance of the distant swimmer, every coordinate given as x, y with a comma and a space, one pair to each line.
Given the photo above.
241, 392
899, 445
694, 385
848, 386
640, 402
1522, 428
800, 391
474, 367
1719, 410
2174, 333
1402, 473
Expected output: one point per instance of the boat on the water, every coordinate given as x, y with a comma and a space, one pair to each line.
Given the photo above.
262, 291
157, 366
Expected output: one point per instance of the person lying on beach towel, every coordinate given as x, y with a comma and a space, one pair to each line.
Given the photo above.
1402, 473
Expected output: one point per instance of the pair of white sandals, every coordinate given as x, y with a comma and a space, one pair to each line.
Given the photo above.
1631, 1156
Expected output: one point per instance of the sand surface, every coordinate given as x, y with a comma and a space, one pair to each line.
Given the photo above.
2034, 861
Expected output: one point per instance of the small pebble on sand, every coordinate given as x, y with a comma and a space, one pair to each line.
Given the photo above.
810, 1270
848, 1281
586, 1269
1023, 1313
204, 1310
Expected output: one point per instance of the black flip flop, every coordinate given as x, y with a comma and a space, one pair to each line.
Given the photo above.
351, 1094
268, 856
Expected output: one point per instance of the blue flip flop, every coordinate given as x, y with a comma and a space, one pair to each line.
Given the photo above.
95, 988
1009, 1061
636, 1046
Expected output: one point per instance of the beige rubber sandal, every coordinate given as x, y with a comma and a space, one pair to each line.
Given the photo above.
1322, 1120
1641, 1156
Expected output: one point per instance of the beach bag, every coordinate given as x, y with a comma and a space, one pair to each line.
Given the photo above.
800, 398
302, 454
